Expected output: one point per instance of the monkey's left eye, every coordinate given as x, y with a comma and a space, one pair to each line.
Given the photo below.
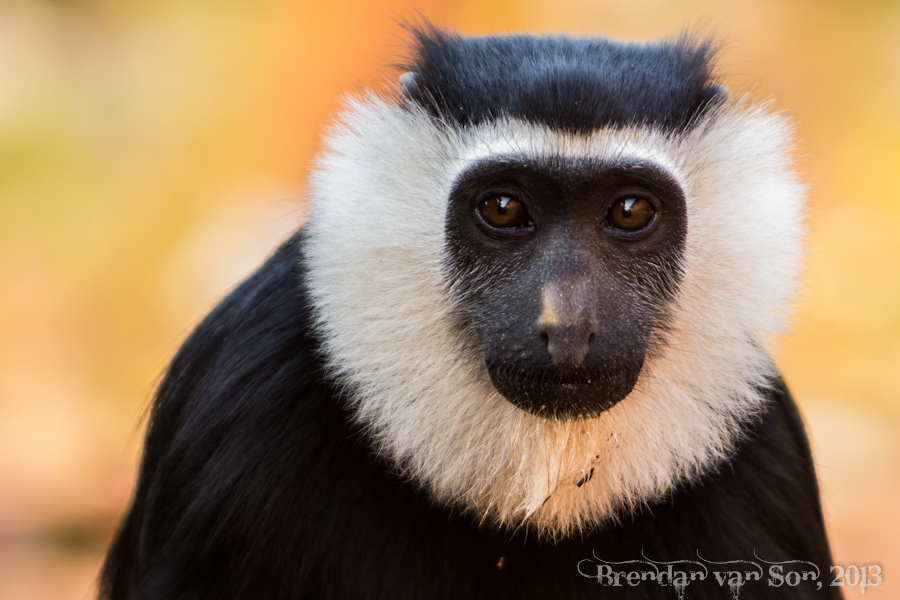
503, 212
631, 214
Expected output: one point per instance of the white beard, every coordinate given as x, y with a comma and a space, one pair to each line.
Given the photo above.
378, 282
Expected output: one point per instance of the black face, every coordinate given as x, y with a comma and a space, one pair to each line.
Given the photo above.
566, 268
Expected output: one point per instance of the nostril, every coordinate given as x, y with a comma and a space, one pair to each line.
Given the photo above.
567, 346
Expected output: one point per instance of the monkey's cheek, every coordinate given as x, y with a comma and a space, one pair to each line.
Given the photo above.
547, 396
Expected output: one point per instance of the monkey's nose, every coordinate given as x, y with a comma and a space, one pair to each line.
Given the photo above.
568, 345
566, 324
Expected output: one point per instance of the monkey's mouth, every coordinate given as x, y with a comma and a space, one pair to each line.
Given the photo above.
564, 394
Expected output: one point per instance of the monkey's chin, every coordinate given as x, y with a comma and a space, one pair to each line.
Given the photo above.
564, 397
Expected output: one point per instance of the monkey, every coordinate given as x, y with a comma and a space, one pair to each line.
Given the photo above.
517, 351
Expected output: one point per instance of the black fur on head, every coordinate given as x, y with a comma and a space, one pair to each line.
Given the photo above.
567, 83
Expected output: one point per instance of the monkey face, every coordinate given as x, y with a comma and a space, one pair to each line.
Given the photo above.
566, 269
504, 286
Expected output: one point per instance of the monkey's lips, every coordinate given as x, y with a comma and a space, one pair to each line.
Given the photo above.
557, 394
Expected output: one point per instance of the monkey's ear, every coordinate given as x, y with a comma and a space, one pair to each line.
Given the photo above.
408, 84
715, 94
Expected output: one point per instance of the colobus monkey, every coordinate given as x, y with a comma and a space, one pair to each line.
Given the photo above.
517, 349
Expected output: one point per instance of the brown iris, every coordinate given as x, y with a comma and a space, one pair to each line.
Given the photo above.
631, 214
503, 212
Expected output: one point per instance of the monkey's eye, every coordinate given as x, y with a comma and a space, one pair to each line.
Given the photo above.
503, 212
631, 214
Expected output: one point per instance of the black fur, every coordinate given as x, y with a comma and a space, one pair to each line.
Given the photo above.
254, 484
572, 84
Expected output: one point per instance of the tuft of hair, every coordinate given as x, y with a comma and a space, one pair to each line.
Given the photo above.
379, 282
570, 84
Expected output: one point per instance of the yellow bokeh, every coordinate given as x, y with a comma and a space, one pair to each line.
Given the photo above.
153, 152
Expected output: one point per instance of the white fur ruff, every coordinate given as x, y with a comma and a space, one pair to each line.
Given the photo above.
378, 283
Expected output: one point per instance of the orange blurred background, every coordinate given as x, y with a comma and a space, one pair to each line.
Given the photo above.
152, 152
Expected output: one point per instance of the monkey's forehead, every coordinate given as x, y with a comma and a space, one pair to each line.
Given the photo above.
571, 84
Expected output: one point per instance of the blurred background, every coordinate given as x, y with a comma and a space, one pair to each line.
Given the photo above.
152, 152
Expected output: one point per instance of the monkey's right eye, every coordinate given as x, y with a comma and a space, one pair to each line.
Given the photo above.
631, 214
504, 212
